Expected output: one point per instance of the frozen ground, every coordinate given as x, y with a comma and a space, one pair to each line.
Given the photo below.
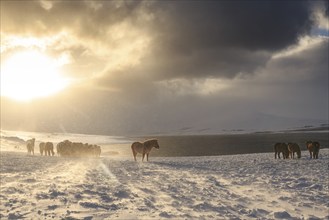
254, 186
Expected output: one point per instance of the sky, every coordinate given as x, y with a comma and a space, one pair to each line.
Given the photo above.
163, 67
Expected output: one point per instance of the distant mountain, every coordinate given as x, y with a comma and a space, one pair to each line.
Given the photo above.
310, 129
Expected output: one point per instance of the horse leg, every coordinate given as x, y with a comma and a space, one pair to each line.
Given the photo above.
275, 155
310, 154
134, 154
147, 157
143, 156
279, 155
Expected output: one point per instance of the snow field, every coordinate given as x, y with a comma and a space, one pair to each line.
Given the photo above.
252, 186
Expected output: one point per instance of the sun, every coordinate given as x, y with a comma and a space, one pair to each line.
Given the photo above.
29, 75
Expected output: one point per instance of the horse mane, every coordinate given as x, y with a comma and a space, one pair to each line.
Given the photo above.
150, 142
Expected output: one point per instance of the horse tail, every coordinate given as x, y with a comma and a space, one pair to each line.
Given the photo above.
276, 146
133, 145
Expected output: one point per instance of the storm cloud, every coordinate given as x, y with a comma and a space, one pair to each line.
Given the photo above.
170, 64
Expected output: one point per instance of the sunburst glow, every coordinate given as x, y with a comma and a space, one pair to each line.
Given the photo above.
29, 75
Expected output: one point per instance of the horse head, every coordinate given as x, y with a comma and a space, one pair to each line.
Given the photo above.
156, 144
299, 154
152, 143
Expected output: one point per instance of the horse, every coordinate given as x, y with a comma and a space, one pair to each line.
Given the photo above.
74, 149
281, 148
49, 149
293, 147
144, 148
30, 146
64, 148
42, 147
96, 150
313, 147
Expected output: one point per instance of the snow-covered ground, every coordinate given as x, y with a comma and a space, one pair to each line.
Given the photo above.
250, 186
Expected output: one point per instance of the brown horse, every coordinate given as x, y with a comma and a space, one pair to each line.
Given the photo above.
49, 149
30, 146
313, 147
281, 148
293, 147
144, 148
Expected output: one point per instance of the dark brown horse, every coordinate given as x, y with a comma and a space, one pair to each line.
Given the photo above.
293, 147
313, 147
144, 148
281, 148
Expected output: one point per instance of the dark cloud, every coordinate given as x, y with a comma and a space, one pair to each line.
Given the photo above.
253, 25
191, 41
222, 38
226, 63
194, 39
326, 8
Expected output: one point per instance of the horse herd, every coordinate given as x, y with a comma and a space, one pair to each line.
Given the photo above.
289, 150
72, 149
65, 149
